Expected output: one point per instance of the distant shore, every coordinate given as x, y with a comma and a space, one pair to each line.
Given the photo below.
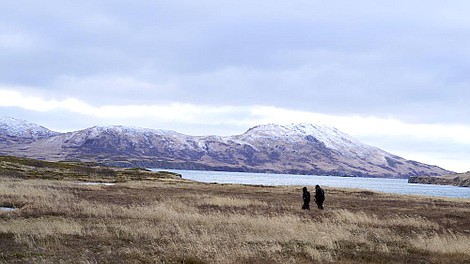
460, 179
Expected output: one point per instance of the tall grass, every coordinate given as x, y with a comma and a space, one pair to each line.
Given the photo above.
175, 230
229, 201
447, 243
361, 218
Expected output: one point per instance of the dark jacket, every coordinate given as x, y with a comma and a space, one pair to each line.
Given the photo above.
319, 194
306, 197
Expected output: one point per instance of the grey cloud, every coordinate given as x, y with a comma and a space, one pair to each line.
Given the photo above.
408, 60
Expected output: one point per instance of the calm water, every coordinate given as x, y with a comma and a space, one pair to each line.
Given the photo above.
382, 185
7, 209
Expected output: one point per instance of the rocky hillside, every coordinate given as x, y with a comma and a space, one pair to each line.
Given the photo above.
300, 149
459, 179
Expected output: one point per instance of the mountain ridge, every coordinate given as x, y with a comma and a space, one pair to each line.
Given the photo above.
12, 129
296, 149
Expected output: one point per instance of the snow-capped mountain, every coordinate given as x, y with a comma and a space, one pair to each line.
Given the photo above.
12, 129
297, 148
331, 137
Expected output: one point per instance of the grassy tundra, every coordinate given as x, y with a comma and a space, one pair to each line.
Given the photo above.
159, 218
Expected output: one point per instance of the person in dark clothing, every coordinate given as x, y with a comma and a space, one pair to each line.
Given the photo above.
306, 198
319, 196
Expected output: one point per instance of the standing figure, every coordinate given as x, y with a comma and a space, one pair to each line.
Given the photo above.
306, 198
319, 196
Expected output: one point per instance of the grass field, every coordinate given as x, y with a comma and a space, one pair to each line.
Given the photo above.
169, 220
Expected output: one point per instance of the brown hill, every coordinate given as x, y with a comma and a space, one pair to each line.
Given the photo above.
295, 149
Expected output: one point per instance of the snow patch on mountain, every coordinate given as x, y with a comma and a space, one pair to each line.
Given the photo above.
132, 130
23, 129
331, 137
134, 134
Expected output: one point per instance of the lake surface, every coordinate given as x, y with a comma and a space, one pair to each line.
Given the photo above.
97, 183
400, 186
7, 209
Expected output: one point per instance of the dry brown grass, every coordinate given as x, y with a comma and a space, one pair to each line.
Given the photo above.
171, 221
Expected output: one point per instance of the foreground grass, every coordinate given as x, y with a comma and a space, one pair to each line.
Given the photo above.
169, 220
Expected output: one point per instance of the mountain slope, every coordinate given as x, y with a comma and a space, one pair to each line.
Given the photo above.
325, 150
15, 130
301, 148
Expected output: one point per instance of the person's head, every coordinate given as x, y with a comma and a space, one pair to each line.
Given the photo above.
304, 189
317, 186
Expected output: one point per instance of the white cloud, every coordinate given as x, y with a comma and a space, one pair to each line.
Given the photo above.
243, 115
176, 112
432, 143
365, 126
10, 98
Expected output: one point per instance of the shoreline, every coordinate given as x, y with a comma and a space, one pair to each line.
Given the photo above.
399, 186
460, 180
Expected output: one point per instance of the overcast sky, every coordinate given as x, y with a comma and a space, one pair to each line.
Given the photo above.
394, 74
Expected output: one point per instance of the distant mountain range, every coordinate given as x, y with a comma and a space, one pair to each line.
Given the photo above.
296, 149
